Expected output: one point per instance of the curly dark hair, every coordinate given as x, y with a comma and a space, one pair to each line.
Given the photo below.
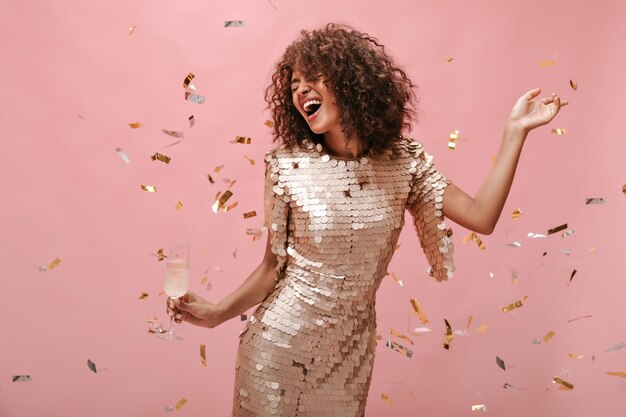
375, 96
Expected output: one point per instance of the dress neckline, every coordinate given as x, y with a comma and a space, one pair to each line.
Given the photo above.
320, 149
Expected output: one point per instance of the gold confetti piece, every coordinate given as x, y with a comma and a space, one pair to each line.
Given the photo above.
482, 328
218, 168
194, 98
557, 229
188, 79
449, 335
399, 348
578, 318
203, 355
401, 336
566, 385
232, 206
269, 123
160, 255
22, 378
149, 188
92, 366
131, 30
255, 232
135, 125
514, 305
516, 214
419, 311
618, 346
454, 135
575, 356
547, 63
179, 205
211, 180
174, 133
230, 182
233, 23
449, 59
548, 336
589, 201
192, 121
161, 157
624, 189
500, 363
249, 214
395, 278
592, 250
559, 131
386, 399
469, 323
567, 233
143, 295
242, 139
250, 160
618, 373
122, 155
180, 404
536, 236
479, 407
54, 263
473, 236
220, 200
574, 84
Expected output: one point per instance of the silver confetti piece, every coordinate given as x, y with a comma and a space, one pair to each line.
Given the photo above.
174, 133
233, 23
536, 236
500, 363
618, 346
194, 98
595, 201
92, 366
22, 378
122, 155
515, 244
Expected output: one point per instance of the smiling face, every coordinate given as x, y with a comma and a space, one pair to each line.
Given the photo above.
316, 103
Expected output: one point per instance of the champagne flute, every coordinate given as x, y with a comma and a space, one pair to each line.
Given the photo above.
176, 278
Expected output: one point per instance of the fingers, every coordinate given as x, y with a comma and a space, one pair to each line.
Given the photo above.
531, 94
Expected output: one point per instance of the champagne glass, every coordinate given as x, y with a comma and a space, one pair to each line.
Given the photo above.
176, 278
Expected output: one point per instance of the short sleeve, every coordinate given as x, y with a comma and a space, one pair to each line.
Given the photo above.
425, 204
276, 211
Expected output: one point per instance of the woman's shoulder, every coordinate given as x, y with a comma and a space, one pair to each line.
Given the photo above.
406, 147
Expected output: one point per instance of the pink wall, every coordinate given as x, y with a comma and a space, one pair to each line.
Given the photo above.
67, 194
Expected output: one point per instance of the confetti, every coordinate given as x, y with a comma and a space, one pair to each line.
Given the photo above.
620, 374
203, 355
594, 201
92, 366
230, 182
122, 155
143, 295
22, 378
571, 277
508, 386
624, 189
160, 255
188, 79
579, 318
515, 244
565, 251
149, 188
179, 205
482, 328
235, 253
618, 346
174, 133
479, 407
536, 236
473, 236
211, 180
419, 311
194, 98
171, 144
242, 139
218, 168
536, 341
386, 399
548, 63
243, 317
557, 229
559, 131
500, 363
250, 160
573, 84
395, 278
169, 408
180, 404
233, 23
249, 214
220, 200
516, 214
548, 336
161, 157
514, 305
54, 263
131, 30
450, 59
566, 385
135, 125
449, 335
454, 135
567, 233
269, 123
575, 356
402, 336
192, 121
419, 330
399, 348
154, 327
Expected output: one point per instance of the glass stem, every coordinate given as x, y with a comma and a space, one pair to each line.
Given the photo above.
171, 329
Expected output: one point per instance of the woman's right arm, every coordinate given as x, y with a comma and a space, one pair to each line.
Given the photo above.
255, 289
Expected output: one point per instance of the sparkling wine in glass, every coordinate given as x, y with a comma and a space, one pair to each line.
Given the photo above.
176, 279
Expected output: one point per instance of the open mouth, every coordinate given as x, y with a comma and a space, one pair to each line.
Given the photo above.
311, 107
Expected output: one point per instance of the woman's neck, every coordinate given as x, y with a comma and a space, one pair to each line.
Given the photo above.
336, 145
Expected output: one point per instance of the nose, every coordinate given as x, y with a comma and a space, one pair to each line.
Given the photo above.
303, 88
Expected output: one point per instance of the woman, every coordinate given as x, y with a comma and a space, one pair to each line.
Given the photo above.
335, 195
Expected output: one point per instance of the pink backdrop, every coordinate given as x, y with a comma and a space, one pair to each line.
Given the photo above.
72, 81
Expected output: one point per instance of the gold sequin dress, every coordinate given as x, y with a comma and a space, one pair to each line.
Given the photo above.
308, 349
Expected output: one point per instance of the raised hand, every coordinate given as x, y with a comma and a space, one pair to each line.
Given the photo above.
528, 114
194, 309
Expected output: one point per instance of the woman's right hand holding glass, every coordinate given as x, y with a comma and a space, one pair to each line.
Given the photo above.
196, 310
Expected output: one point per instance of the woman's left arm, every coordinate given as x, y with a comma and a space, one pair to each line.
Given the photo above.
482, 212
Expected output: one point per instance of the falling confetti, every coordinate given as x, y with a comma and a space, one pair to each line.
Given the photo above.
454, 135
536, 236
547, 63
194, 98
203, 355
188, 79
548, 336
571, 277
450, 59
160, 255
242, 139
233, 23
161, 157
573, 84
135, 125
122, 155
565, 251
575, 356
192, 121
180, 404
618, 346
218, 168
514, 244
419, 311
473, 236
566, 385
482, 328
174, 133
624, 189
567, 233
179, 205
386, 399
250, 160
243, 317
143, 295
22, 378
517, 213
557, 229
449, 335
92, 366
399, 348
54, 263
500, 363
211, 180
514, 305
579, 318
508, 386
395, 278
131, 30
590, 201
620, 374
269, 123
171, 144
249, 214
401, 336
149, 188
479, 407
220, 201
559, 131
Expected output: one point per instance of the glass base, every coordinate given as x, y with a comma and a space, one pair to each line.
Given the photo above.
170, 336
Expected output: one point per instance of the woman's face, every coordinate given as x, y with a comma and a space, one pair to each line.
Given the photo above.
315, 102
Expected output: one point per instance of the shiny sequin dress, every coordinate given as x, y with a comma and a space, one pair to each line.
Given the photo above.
308, 349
